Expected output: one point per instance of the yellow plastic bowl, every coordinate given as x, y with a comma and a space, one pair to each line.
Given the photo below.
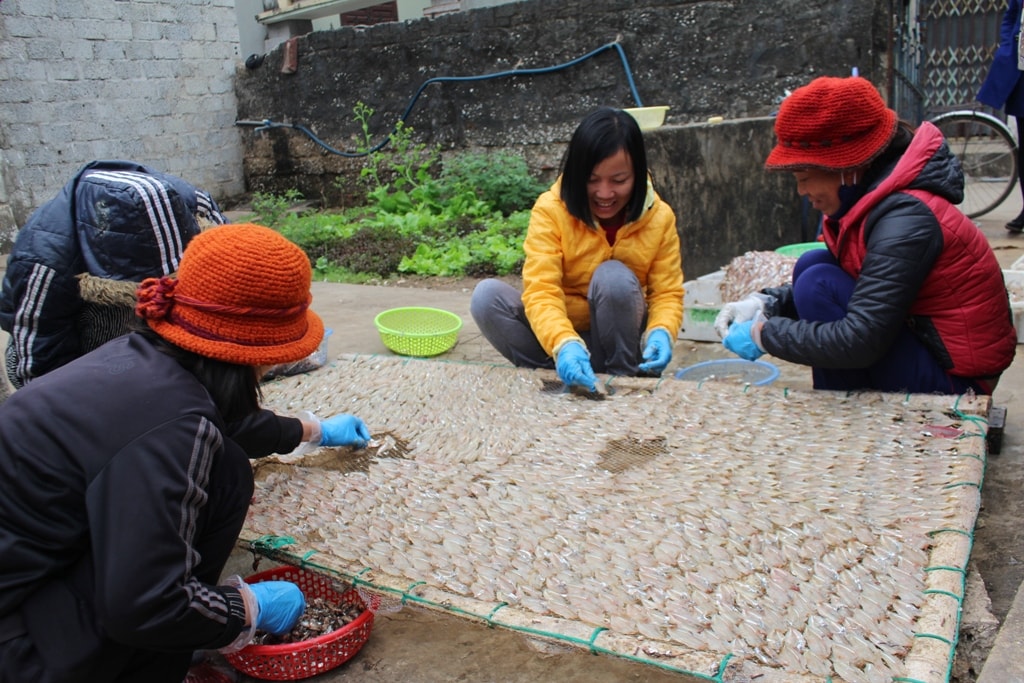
418, 331
648, 118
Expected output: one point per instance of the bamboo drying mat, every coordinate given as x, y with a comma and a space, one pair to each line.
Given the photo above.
724, 531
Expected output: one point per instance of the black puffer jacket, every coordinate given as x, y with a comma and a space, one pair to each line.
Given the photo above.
119, 483
115, 219
918, 263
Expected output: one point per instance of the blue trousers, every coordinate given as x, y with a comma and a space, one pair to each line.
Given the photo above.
618, 317
821, 292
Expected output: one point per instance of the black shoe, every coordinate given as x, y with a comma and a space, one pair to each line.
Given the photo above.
1017, 224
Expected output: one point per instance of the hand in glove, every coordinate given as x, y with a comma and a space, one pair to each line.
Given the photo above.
739, 312
281, 603
344, 430
740, 339
573, 367
657, 353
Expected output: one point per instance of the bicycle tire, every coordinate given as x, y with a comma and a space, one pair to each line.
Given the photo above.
988, 154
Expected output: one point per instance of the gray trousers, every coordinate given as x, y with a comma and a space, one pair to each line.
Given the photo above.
618, 317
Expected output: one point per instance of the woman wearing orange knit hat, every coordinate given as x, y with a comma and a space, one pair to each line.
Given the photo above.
908, 297
124, 494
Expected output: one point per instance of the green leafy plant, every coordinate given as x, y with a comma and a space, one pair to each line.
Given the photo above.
398, 175
272, 209
465, 216
501, 179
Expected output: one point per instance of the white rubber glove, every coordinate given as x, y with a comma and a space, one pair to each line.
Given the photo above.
315, 436
740, 312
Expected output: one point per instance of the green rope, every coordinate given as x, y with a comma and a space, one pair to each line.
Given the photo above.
490, 615
357, 578
934, 636
961, 570
271, 542
936, 591
593, 636
722, 666
952, 531
967, 435
959, 484
980, 422
412, 587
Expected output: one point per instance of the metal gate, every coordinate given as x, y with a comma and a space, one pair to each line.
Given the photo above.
941, 51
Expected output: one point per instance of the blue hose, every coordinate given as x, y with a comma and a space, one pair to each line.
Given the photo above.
267, 124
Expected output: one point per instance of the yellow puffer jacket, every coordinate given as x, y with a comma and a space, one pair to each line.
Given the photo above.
562, 253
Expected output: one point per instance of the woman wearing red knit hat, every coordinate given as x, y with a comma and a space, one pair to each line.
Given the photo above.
124, 494
909, 296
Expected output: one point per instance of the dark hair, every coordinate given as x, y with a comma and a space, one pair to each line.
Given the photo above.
600, 135
891, 153
235, 389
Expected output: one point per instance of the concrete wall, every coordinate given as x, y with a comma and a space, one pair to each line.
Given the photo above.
725, 202
143, 80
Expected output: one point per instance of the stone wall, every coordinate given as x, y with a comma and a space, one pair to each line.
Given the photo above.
162, 83
145, 80
725, 202
702, 58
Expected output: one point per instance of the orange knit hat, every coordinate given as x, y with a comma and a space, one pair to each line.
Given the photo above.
241, 296
835, 124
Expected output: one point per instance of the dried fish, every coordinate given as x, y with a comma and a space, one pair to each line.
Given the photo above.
802, 549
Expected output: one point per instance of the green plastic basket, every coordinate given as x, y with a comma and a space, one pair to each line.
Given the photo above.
418, 331
799, 248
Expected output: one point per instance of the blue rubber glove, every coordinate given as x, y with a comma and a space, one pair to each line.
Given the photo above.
344, 430
741, 342
573, 367
281, 604
657, 353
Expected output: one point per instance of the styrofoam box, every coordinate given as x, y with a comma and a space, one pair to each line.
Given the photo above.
702, 300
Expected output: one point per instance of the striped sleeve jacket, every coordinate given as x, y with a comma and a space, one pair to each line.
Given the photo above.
115, 219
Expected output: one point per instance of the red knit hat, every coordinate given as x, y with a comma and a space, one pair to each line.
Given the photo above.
241, 296
835, 124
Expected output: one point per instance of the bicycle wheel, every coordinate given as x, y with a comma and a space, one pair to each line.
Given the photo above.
988, 155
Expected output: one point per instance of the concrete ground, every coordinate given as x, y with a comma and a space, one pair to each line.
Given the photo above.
418, 645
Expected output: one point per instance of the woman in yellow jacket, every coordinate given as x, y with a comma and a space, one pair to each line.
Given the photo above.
603, 279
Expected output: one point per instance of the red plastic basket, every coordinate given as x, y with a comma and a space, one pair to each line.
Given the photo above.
295, 661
